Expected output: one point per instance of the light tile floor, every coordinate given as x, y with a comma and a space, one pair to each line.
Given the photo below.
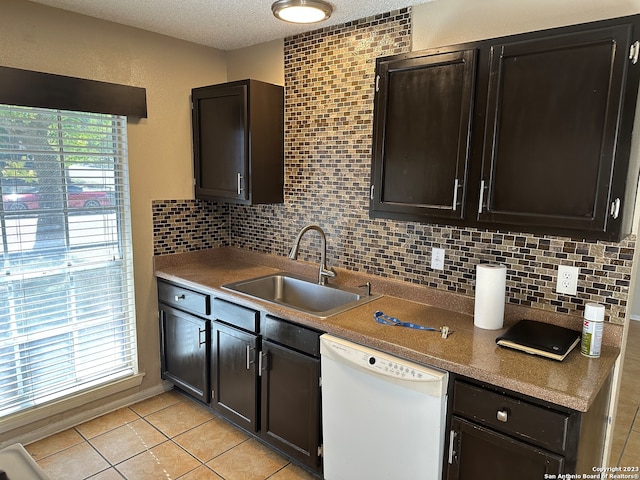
163, 438
625, 449
172, 437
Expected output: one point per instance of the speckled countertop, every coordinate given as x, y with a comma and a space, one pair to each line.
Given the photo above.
469, 351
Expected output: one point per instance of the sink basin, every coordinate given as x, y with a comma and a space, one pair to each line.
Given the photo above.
304, 295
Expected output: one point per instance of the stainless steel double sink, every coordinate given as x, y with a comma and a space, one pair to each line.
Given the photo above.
294, 292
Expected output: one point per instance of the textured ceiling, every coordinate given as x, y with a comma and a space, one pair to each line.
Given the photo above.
223, 24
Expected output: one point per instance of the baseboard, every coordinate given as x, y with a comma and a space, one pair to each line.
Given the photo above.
635, 317
85, 416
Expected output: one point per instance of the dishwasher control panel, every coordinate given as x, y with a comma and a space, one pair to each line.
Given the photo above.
391, 368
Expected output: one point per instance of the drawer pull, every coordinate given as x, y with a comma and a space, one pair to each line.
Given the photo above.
502, 415
177, 298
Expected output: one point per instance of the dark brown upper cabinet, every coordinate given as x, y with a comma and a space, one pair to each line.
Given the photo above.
422, 134
547, 144
238, 142
553, 113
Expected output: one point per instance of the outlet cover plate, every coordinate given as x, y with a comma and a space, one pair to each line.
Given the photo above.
437, 258
567, 280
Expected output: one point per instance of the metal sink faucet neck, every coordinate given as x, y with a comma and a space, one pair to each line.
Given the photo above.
324, 272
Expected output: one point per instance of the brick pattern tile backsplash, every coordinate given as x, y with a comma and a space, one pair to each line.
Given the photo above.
329, 90
181, 226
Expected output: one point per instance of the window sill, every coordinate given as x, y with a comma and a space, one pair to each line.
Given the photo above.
69, 403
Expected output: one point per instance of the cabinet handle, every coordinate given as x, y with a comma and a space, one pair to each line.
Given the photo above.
502, 415
240, 178
249, 361
634, 50
200, 341
452, 440
455, 194
481, 197
262, 363
615, 208
177, 298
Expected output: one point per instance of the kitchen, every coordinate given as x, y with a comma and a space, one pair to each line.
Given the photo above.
316, 190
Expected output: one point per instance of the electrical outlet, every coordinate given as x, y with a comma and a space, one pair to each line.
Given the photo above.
567, 280
437, 258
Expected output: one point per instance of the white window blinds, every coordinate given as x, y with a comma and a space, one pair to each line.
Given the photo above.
67, 320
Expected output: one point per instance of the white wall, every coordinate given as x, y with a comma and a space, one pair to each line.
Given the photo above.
446, 22
45, 39
264, 62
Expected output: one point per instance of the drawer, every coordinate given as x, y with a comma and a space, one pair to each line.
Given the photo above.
184, 299
291, 335
236, 315
535, 424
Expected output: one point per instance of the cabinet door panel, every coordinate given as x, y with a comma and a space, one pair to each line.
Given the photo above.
422, 134
290, 403
478, 453
234, 375
220, 141
184, 351
552, 119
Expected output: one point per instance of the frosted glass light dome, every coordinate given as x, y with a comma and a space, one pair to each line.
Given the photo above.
302, 11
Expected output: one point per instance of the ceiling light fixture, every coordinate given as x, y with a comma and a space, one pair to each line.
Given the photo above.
302, 11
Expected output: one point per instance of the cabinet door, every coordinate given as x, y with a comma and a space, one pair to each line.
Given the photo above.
553, 114
291, 403
422, 127
477, 453
220, 142
234, 376
184, 351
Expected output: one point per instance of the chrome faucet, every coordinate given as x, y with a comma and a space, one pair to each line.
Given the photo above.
325, 272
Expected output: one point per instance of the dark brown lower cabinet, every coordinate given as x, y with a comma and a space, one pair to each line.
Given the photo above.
234, 377
477, 453
291, 403
498, 434
265, 375
184, 351
260, 372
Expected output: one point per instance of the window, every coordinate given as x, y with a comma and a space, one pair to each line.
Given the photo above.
67, 320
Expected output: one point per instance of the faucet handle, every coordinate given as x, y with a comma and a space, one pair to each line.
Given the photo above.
367, 287
324, 273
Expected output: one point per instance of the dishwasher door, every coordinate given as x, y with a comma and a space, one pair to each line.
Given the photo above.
382, 417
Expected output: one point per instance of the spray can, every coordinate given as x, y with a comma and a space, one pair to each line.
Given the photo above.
592, 327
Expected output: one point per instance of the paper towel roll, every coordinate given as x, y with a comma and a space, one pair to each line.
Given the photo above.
491, 282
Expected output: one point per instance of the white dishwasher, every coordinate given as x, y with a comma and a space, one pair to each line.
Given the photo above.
382, 417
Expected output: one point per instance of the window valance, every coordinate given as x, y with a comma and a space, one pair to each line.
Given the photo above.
46, 90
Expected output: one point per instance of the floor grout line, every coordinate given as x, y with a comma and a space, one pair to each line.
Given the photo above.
631, 359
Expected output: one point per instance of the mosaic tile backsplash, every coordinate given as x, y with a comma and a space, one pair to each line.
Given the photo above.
329, 90
187, 226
